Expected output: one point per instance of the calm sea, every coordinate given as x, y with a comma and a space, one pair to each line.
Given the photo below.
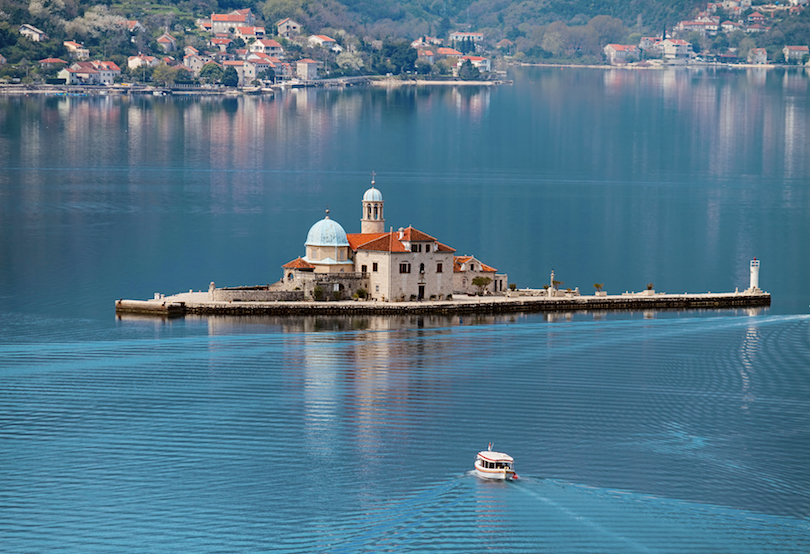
632, 432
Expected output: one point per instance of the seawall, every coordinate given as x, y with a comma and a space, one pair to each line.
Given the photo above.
198, 303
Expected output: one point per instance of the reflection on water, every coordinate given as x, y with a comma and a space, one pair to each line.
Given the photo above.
628, 434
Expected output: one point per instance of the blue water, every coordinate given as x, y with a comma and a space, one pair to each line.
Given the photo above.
632, 432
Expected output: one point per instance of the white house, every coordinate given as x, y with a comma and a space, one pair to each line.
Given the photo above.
76, 51
324, 42
32, 33
676, 49
167, 42
267, 46
758, 56
134, 62
483, 64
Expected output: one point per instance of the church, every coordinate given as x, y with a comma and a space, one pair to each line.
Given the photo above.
406, 264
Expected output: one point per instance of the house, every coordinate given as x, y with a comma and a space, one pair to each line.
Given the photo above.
79, 76
459, 36
191, 51
107, 70
618, 53
676, 49
76, 51
48, 63
758, 56
250, 33
756, 17
267, 46
288, 28
324, 42
757, 28
3, 60
195, 62
32, 33
468, 268
90, 73
505, 44
650, 43
406, 264
226, 23
426, 55
134, 62
730, 26
448, 52
426, 42
220, 43
705, 28
795, 53
306, 69
167, 42
135, 27
253, 67
483, 64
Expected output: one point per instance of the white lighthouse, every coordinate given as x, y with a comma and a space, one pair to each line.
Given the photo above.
754, 276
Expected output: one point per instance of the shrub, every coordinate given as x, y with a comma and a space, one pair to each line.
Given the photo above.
512, 286
317, 293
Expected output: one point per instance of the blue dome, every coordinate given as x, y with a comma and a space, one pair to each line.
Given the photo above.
372, 195
327, 232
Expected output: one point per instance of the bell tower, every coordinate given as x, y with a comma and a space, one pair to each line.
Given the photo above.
372, 220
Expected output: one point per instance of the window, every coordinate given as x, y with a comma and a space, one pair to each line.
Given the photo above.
421, 268
416, 247
375, 212
363, 269
374, 266
376, 288
439, 267
404, 268
290, 277
427, 247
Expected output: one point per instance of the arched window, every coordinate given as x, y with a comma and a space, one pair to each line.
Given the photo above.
369, 212
375, 212
421, 268
290, 277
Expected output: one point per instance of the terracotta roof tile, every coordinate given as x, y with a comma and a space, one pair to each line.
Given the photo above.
414, 235
298, 263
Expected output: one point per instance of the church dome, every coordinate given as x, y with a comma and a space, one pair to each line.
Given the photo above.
372, 195
327, 232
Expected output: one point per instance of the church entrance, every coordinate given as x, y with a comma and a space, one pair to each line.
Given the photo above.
421, 292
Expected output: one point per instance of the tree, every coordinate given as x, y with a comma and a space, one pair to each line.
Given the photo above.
598, 286
268, 74
481, 282
230, 78
468, 72
164, 75
211, 73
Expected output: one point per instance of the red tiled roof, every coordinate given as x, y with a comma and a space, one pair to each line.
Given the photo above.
414, 235
228, 17
384, 242
448, 52
798, 48
623, 47
268, 42
298, 263
459, 260
444, 248
52, 60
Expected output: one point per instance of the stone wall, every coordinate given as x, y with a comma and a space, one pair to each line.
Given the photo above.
255, 294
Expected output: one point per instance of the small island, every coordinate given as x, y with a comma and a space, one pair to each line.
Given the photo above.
407, 271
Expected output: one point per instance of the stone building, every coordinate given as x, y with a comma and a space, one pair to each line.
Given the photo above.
393, 265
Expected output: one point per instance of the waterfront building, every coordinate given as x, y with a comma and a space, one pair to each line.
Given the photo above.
306, 69
758, 56
620, 52
795, 53
406, 264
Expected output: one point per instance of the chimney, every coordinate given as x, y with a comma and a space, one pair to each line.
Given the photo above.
401, 233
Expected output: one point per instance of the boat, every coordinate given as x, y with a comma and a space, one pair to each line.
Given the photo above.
494, 465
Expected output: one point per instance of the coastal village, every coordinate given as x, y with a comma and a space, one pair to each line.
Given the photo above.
238, 49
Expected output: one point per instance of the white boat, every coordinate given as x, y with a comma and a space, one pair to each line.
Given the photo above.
494, 465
